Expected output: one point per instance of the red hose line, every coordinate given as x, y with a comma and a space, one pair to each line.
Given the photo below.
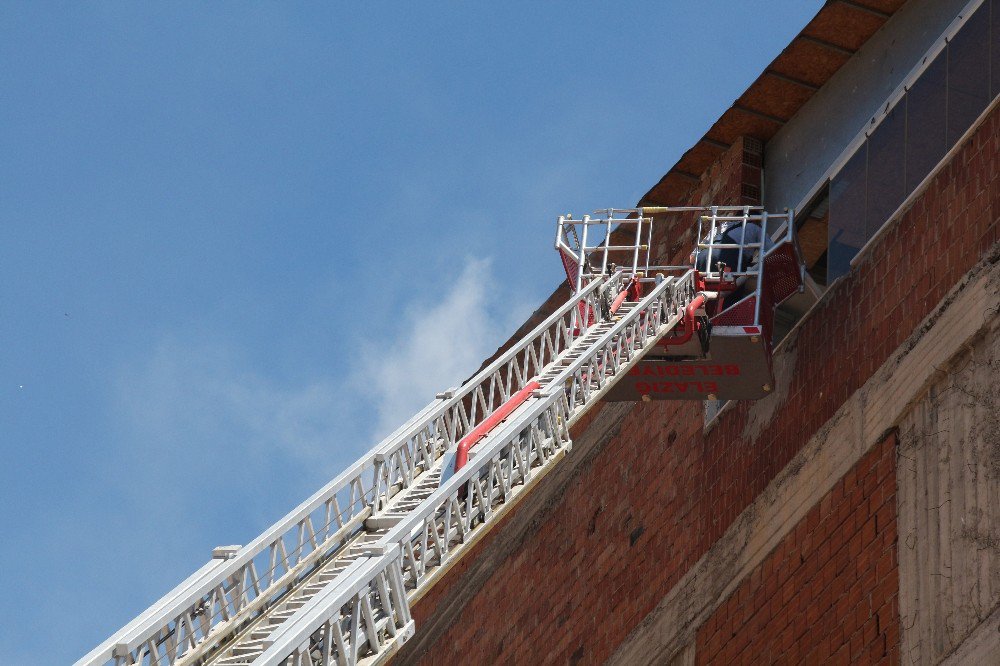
491, 422
618, 301
689, 322
633, 289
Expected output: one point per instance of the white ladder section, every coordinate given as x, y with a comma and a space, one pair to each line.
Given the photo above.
332, 581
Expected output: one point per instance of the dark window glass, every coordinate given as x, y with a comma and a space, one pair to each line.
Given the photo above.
968, 73
925, 122
937, 110
885, 169
847, 214
995, 48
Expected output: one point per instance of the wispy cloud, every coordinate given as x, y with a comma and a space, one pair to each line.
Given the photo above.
440, 342
189, 390
192, 400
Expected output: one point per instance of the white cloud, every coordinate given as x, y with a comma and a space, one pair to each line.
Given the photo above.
203, 397
197, 400
439, 344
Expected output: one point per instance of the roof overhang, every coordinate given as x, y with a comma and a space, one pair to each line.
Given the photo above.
817, 52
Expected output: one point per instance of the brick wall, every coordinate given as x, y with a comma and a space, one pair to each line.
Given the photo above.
828, 592
644, 508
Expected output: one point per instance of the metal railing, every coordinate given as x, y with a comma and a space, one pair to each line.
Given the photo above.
718, 221
362, 613
437, 531
234, 589
631, 337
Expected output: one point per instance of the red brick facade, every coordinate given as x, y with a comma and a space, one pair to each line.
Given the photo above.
828, 592
645, 507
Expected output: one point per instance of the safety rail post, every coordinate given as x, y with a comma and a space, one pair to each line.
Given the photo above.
761, 255
583, 252
649, 240
711, 239
638, 244
743, 237
607, 241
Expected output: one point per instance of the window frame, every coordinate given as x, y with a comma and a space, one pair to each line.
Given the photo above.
897, 96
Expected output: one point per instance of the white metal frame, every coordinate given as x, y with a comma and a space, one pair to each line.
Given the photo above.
433, 535
187, 622
593, 252
712, 223
359, 589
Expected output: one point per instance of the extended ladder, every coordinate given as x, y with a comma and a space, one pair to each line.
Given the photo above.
333, 580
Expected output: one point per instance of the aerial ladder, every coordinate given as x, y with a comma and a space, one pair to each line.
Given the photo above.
333, 581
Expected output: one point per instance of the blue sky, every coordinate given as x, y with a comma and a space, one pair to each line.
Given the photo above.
238, 242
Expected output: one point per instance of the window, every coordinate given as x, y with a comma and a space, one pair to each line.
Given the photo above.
995, 49
812, 226
886, 182
925, 122
968, 73
848, 193
913, 136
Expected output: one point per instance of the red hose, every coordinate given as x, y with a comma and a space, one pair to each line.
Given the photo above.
491, 422
618, 301
633, 289
689, 322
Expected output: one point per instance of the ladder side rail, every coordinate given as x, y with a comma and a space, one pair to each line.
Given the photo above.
533, 436
584, 297
512, 371
656, 313
344, 502
363, 614
245, 581
516, 450
447, 519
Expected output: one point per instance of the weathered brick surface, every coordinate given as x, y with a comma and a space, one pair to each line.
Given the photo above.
648, 505
828, 591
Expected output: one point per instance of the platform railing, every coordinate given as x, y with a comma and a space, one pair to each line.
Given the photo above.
244, 581
718, 219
